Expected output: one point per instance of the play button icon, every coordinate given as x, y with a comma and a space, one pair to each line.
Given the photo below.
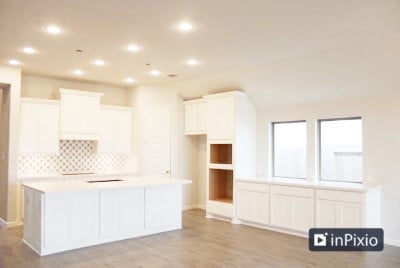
319, 240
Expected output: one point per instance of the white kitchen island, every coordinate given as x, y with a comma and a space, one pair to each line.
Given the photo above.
61, 216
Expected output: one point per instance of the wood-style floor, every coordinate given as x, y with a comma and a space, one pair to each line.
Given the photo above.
202, 243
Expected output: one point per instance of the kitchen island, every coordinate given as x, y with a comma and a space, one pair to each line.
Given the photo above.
61, 216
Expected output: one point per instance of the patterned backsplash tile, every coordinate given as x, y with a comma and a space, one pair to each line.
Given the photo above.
75, 156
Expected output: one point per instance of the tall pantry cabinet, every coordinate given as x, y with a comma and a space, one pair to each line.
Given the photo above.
231, 149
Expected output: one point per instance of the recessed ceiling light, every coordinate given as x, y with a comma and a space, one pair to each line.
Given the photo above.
185, 27
14, 62
99, 62
53, 29
155, 72
192, 62
78, 72
28, 50
133, 48
129, 80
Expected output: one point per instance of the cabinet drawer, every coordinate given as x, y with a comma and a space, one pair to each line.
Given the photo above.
253, 186
220, 208
344, 196
292, 191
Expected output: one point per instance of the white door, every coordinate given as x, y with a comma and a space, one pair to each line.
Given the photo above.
157, 139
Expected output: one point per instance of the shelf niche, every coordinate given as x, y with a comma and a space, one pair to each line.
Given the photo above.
221, 185
221, 153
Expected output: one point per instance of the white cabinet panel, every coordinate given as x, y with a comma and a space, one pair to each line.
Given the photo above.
115, 130
221, 118
57, 219
302, 214
326, 215
121, 212
84, 215
80, 114
202, 117
39, 126
163, 207
339, 214
253, 206
195, 117
281, 210
296, 213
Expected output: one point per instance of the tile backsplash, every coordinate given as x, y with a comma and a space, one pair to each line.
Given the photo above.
75, 156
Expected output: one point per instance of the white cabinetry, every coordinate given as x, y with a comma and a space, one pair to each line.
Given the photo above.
195, 117
121, 212
292, 207
221, 117
80, 115
162, 205
347, 209
115, 130
231, 150
253, 202
39, 126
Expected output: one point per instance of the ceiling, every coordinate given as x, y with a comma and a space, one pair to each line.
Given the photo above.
279, 51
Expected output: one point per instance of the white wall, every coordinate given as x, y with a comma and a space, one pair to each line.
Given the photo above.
12, 76
48, 88
381, 144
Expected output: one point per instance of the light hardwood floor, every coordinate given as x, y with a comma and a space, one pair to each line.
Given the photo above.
202, 243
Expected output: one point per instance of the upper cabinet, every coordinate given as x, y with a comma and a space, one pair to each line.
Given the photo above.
80, 115
39, 121
195, 117
115, 130
220, 116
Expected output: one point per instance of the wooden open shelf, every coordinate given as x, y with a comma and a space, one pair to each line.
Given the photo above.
221, 153
221, 185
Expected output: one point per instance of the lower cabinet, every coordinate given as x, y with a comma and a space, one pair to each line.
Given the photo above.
340, 209
299, 208
292, 207
70, 217
121, 212
163, 208
253, 203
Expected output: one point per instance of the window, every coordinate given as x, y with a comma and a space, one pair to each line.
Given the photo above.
289, 149
341, 149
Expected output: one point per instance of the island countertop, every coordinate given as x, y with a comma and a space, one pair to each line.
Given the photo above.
65, 186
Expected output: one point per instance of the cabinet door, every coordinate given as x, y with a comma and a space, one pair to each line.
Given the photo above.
39, 127
121, 212
57, 218
302, 214
163, 207
80, 115
281, 211
296, 213
351, 215
84, 215
326, 216
253, 206
191, 117
221, 118
115, 131
202, 117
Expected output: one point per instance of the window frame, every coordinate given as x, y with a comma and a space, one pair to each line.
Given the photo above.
273, 148
319, 157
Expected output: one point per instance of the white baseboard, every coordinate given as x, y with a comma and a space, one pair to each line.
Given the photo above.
392, 242
189, 207
10, 223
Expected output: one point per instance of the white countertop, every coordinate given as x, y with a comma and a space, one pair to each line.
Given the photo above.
65, 177
330, 185
46, 187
